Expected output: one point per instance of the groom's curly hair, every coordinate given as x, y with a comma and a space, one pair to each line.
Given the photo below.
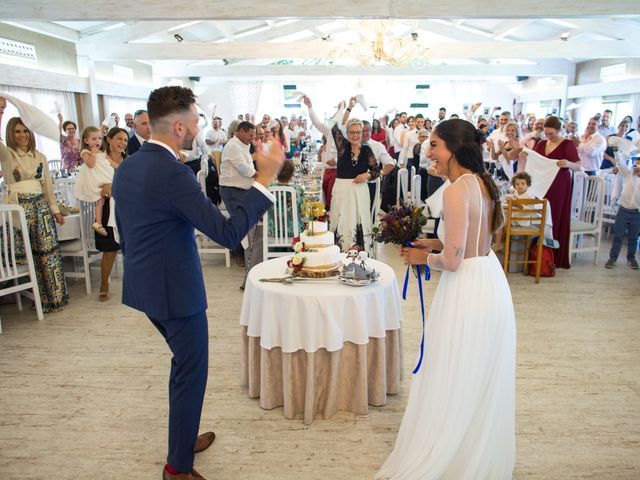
167, 100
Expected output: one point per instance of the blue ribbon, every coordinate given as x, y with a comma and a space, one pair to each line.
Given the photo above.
427, 277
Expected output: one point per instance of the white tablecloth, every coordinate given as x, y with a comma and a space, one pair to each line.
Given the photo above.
310, 315
71, 228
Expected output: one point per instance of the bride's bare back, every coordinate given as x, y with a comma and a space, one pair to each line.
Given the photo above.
466, 214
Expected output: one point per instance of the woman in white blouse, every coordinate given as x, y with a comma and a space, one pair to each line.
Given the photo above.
26, 174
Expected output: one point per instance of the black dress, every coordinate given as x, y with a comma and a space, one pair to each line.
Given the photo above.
108, 243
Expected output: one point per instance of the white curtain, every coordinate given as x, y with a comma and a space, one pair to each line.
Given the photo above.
122, 106
635, 106
50, 102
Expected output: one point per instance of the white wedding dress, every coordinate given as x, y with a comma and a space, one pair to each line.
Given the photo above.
460, 419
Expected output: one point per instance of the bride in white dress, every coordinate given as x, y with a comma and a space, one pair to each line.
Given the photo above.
460, 419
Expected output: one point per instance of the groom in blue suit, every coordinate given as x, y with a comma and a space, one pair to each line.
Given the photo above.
159, 204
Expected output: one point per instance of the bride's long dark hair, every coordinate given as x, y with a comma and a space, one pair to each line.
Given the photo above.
464, 141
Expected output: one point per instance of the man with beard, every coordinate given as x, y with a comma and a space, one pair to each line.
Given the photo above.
161, 203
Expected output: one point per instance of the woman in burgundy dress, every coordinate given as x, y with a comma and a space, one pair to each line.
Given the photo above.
559, 194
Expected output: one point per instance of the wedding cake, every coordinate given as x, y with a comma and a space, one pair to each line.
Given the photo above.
316, 254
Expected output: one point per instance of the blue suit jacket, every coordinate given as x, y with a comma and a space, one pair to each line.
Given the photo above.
133, 145
159, 202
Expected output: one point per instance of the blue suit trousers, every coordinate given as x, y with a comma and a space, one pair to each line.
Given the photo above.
188, 339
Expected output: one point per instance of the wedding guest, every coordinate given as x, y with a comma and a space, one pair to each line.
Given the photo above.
628, 216
128, 123
279, 138
506, 152
28, 183
236, 167
141, 131
162, 271
328, 155
531, 139
605, 129
608, 157
565, 154
378, 133
116, 150
459, 422
69, 144
350, 216
591, 147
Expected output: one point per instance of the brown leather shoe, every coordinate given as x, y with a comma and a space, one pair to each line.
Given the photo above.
181, 476
203, 442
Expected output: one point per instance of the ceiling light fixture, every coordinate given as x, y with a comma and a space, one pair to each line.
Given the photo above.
380, 46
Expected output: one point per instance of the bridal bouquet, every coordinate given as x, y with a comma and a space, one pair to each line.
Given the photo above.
400, 226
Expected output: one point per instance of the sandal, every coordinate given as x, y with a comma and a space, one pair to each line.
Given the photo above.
103, 296
100, 229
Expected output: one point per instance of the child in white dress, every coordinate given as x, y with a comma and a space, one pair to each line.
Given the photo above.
521, 182
96, 171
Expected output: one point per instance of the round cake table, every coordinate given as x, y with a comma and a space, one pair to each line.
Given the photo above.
319, 346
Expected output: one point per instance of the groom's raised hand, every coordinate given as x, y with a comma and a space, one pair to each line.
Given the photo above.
268, 166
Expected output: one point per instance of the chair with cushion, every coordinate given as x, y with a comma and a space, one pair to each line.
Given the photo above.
11, 272
525, 219
588, 224
283, 214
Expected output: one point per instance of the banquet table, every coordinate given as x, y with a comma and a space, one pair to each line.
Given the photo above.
319, 346
71, 228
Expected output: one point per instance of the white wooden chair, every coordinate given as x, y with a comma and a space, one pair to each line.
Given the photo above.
55, 166
83, 247
402, 186
375, 207
416, 190
284, 208
609, 208
204, 243
588, 225
11, 273
577, 193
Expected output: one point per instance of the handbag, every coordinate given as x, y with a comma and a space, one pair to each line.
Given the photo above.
548, 266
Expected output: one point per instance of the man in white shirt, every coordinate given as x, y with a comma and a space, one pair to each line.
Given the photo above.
628, 216
531, 139
382, 157
605, 129
128, 123
499, 134
236, 168
591, 147
398, 134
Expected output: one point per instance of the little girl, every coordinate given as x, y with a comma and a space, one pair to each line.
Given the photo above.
95, 172
521, 182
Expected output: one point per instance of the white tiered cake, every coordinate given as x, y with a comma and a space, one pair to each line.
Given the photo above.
317, 252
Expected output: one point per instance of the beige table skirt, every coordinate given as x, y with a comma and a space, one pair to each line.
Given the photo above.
322, 382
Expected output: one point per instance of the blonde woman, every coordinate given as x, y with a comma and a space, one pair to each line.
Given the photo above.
507, 152
29, 185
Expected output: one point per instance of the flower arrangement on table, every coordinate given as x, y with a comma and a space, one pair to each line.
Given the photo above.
314, 212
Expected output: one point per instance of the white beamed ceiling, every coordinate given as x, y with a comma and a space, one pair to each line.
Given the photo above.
245, 39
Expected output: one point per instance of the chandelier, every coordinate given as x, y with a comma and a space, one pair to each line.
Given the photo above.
380, 44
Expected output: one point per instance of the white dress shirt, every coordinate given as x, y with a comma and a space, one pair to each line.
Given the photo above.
330, 152
236, 166
380, 153
425, 161
396, 139
218, 136
591, 151
630, 197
